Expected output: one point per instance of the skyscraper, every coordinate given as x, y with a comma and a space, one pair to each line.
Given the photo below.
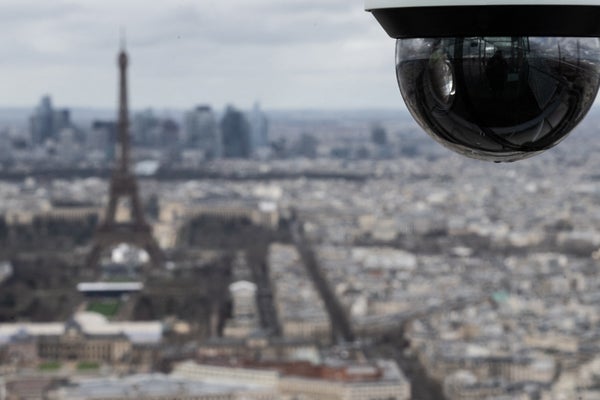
144, 128
203, 132
46, 123
104, 136
151, 130
236, 134
42, 122
260, 128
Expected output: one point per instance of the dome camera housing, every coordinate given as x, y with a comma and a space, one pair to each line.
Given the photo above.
495, 80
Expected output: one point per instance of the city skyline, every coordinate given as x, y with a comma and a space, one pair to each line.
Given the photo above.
300, 55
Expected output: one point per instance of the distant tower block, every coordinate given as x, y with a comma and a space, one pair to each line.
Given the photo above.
123, 186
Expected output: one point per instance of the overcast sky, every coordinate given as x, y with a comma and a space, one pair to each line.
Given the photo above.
286, 54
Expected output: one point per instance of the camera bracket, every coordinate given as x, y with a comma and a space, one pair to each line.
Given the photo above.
438, 18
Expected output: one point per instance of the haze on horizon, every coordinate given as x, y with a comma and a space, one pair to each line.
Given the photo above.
308, 54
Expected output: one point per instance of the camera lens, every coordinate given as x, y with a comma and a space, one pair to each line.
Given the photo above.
498, 98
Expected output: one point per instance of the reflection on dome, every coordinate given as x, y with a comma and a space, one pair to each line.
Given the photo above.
500, 98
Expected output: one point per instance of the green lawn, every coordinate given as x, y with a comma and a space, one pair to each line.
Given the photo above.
108, 308
49, 366
87, 365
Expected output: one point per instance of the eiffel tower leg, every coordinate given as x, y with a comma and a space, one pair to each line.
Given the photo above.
156, 255
136, 208
93, 260
111, 210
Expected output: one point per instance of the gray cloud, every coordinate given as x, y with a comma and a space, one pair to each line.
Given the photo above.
302, 53
29, 11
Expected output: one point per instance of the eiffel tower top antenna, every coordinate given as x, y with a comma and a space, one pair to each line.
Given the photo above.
123, 124
123, 38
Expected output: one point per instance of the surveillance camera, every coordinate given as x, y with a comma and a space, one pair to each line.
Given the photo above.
495, 80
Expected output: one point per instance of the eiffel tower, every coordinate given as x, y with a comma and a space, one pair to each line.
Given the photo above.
123, 185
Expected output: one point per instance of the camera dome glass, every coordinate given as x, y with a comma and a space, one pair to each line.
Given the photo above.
498, 98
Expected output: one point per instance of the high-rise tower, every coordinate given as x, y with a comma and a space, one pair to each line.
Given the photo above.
123, 185
236, 133
203, 131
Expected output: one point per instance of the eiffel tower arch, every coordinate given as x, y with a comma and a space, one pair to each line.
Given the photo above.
123, 185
